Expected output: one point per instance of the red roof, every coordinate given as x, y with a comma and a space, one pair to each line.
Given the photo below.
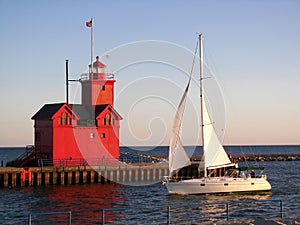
49, 110
98, 63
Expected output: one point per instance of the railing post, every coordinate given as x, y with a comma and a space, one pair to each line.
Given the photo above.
29, 219
169, 216
103, 216
227, 211
69, 218
281, 209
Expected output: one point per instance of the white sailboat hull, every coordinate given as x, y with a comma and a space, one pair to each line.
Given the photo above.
211, 185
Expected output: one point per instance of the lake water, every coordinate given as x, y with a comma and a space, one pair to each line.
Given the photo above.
8, 154
149, 204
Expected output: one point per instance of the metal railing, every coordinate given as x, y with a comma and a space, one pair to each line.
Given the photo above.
124, 158
77, 162
94, 76
173, 214
29, 216
186, 213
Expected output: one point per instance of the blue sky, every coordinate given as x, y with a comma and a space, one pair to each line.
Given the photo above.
252, 46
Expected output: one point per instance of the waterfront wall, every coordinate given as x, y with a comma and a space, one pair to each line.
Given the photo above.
126, 174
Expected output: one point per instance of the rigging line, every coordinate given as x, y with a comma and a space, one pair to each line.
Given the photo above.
190, 77
243, 154
210, 65
193, 63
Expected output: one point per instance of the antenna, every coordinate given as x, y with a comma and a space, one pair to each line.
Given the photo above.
67, 81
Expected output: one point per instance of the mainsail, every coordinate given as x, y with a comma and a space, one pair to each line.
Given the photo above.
214, 153
177, 155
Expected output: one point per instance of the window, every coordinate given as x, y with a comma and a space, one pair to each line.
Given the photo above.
108, 119
60, 121
69, 121
103, 87
65, 117
92, 135
103, 135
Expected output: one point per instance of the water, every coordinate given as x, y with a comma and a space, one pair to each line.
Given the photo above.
236, 150
9, 154
148, 204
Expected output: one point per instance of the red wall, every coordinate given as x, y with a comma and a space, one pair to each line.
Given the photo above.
92, 93
83, 142
103, 96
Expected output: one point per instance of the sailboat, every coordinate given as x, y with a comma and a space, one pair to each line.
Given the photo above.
230, 178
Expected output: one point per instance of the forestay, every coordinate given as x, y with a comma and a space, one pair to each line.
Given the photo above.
214, 153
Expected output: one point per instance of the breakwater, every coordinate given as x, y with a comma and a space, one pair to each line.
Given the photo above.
262, 158
259, 158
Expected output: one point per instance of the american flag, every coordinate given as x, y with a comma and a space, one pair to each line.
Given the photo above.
89, 23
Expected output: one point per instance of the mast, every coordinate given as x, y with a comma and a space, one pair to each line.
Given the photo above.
201, 100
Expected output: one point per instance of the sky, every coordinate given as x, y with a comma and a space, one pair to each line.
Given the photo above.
251, 49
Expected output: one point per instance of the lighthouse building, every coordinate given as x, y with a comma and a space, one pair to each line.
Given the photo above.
81, 134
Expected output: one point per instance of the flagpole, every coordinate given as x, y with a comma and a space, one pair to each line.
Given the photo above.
92, 44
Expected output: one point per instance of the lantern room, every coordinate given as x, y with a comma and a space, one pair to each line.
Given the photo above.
97, 70
97, 86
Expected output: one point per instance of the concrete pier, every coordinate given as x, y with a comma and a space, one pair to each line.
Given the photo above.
136, 174
11, 177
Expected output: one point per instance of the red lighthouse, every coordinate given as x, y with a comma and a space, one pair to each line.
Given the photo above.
77, 134
97, 86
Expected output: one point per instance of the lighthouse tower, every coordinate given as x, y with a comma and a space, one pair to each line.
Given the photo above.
97, 86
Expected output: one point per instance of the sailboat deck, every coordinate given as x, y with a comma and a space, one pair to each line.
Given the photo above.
223, 179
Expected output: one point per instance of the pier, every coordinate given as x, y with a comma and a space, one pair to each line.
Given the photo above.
11, 177
135, 173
